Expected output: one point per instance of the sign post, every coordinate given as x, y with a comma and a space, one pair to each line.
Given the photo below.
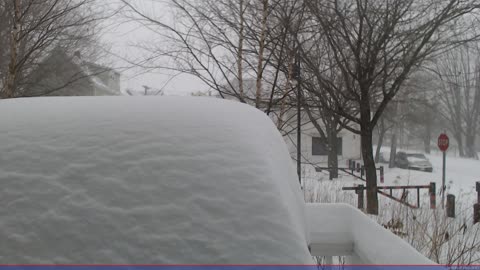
443, 143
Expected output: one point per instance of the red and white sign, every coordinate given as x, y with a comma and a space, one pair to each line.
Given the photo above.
443, 142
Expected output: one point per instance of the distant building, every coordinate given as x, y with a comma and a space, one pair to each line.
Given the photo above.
63, 75
314, 151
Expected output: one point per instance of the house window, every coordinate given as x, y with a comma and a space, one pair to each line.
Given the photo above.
320, 149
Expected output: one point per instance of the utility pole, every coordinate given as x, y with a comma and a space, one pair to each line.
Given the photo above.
296, 75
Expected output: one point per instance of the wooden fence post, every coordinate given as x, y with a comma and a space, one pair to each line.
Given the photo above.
433, 195
476, 213
477, 185
451, 205
382, 177
418, 197
359, 192
404, 195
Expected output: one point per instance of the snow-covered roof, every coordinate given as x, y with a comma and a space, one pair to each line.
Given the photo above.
96, 81
92, 72
130, 180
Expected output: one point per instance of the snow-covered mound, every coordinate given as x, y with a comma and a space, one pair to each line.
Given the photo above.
127, 180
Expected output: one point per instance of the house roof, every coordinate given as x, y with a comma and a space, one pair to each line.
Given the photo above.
92, 72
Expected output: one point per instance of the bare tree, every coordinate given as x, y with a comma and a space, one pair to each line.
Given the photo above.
420, 108
376, 45
319, 107
459, 94
328, 126
226, 44
33, 29
205, 40
241, 37
385, 124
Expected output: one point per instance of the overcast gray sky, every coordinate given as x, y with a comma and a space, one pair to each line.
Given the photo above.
123, 37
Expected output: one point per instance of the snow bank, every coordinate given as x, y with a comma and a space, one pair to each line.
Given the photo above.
348, 231
130, 180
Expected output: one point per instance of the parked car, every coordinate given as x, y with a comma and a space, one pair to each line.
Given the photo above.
413, 161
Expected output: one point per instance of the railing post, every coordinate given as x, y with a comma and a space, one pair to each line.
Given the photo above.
451, 205
476, 213
477, 185
476, 207
418, 197
359, 192
404, 195
433, 195
382, 177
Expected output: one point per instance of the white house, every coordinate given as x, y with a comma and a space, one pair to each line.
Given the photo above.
313, 150
62, 74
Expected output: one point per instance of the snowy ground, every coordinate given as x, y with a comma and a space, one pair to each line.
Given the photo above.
424, 229
461, 175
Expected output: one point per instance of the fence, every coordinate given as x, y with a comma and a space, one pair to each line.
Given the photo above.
355, 167
359, 190
476, 207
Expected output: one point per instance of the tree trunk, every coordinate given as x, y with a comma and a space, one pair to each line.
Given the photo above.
261, 50
381, 135
427, 137
12, 66
379, 147
401, 137
240, 51
333, 152
393, 143
393, 149
470, 150
288, 87
458, 138
370, 170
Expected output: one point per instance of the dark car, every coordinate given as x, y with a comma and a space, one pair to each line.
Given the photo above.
413, 162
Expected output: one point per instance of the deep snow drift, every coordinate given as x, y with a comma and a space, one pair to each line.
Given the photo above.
122, 180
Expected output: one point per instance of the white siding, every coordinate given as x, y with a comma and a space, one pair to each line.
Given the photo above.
350, 149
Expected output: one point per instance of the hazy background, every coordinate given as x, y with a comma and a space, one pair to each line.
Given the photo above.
123, 38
